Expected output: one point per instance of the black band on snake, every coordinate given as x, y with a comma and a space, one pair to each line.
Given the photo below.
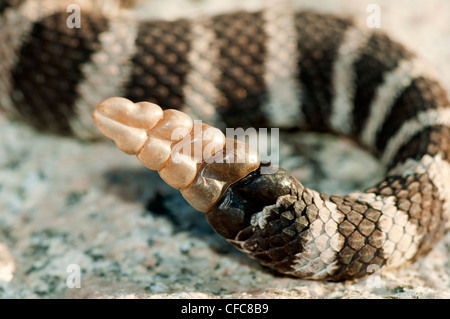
269, 68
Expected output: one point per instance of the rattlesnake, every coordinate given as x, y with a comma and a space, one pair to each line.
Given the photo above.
269, 68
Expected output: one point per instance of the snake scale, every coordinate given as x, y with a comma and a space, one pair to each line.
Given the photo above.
268, 68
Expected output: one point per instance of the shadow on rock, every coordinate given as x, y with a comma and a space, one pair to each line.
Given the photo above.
163, 201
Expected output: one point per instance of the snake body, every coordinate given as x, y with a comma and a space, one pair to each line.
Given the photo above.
268, 68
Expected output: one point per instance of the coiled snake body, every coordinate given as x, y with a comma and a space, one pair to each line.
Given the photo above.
269, 68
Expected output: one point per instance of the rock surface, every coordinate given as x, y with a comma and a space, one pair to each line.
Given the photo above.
67, 205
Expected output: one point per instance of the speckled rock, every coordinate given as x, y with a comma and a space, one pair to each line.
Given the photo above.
65, 202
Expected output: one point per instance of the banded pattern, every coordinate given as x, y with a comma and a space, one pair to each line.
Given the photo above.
38, 73
326, 32
22, 17
344, 89
322, 73
241, 41
380, 56
106, 71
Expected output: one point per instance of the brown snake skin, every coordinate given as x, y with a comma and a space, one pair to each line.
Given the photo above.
269, 68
